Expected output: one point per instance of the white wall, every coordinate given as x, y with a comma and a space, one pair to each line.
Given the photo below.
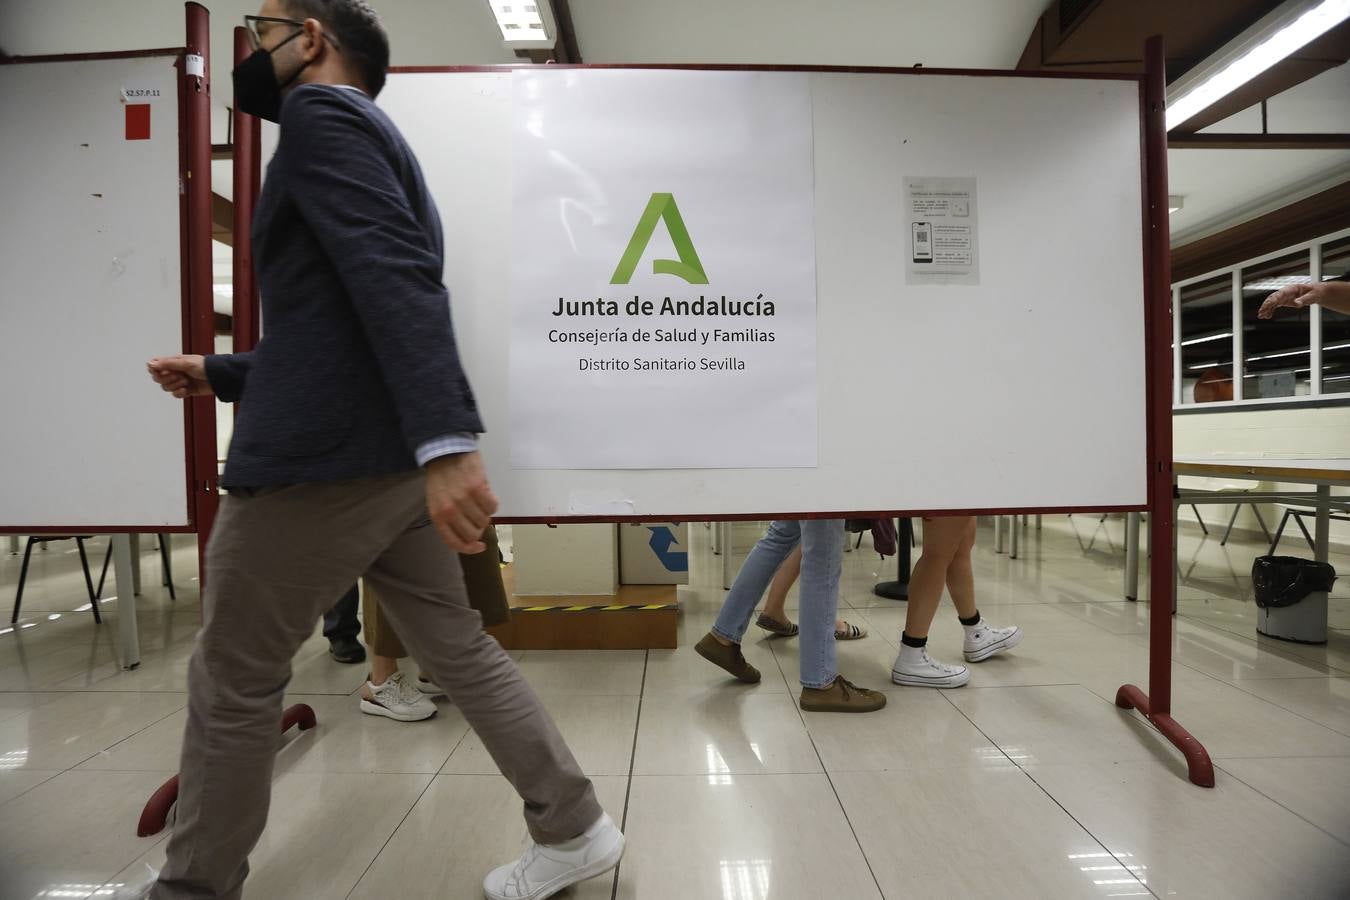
1308, 433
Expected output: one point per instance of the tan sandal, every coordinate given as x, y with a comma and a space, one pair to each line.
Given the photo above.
773, 626
850, 633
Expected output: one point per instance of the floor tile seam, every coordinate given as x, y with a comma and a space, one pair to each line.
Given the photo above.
1027, 774
53, 773
829, 779
136, 733
632, 762
1218, 764
384, 846
1280, 705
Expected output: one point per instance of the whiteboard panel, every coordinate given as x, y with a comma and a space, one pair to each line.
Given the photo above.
1024, 391
90, 250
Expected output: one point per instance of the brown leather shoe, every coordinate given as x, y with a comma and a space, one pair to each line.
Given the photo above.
727, 657
842, 696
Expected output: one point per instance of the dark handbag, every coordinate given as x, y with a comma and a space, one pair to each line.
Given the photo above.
884, 539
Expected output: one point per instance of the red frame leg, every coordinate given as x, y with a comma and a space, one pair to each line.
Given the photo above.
156, 811
1198, 763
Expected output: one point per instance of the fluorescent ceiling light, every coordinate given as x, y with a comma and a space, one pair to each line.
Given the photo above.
525, 24
1208, 337
1273, 38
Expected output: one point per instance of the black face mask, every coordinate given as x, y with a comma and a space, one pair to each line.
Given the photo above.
256, 89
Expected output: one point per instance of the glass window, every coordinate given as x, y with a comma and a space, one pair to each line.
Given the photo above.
1276, 351
1207, 341
1335, 326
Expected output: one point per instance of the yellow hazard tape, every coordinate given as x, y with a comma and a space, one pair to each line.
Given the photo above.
619, 608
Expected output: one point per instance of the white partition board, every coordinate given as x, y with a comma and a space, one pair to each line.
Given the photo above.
90, 247
1026, 391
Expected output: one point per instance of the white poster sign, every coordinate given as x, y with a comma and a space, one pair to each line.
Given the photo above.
663, 270
943, 231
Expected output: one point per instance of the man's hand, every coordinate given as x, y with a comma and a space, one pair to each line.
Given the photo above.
1334, 295
182, 376
460, 501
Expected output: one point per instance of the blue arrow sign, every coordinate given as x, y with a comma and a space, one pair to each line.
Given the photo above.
662, 540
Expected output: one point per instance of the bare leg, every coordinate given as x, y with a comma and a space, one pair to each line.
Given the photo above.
960, 577
942, 539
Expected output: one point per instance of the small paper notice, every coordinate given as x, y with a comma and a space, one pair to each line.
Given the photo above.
943, 231
140, 94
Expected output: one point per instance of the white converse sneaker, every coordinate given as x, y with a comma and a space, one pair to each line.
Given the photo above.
984, 641
544, 870
915, 668
397, 699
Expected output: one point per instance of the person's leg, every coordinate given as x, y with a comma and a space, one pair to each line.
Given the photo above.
388, 692
823, 689
421, 591
822, 560
982, 640
942, 539
276, 560
722, 645
341, 626
960, 575
768, 554
775, 619
783, 580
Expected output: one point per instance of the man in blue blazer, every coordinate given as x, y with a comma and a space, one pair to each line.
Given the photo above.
353, 455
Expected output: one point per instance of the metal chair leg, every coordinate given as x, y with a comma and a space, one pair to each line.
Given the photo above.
1203, 526
168, 566
23, 577
88, 580
1237, 508
107, 558
1278, 532
1260, 521
1304, 528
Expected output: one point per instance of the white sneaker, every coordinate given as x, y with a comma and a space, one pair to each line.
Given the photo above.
915, 668
397, 699
137, 885
429, 687
984, 641
545, 870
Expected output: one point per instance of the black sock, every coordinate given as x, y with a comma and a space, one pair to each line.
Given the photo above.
912, 641
973, 620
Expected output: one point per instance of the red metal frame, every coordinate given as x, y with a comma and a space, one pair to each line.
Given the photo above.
247, 132
201, 411
1156, 705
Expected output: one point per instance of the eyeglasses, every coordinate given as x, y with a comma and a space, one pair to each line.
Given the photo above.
257, 29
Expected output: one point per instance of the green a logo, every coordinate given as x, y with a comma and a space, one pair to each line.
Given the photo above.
688, 267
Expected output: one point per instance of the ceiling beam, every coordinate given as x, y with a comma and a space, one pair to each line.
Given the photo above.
565, 49
1187, 141
1304, 220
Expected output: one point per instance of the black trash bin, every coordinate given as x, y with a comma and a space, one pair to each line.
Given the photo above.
1291, 598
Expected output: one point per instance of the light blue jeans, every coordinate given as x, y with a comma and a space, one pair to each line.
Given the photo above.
822, 543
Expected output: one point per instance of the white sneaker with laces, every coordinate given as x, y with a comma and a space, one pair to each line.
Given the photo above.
397, 699
544, 870
915, 668
984, 641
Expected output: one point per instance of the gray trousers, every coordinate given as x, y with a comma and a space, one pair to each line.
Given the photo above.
276, 560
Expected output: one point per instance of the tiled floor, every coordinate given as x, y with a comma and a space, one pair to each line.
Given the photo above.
1029, 782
